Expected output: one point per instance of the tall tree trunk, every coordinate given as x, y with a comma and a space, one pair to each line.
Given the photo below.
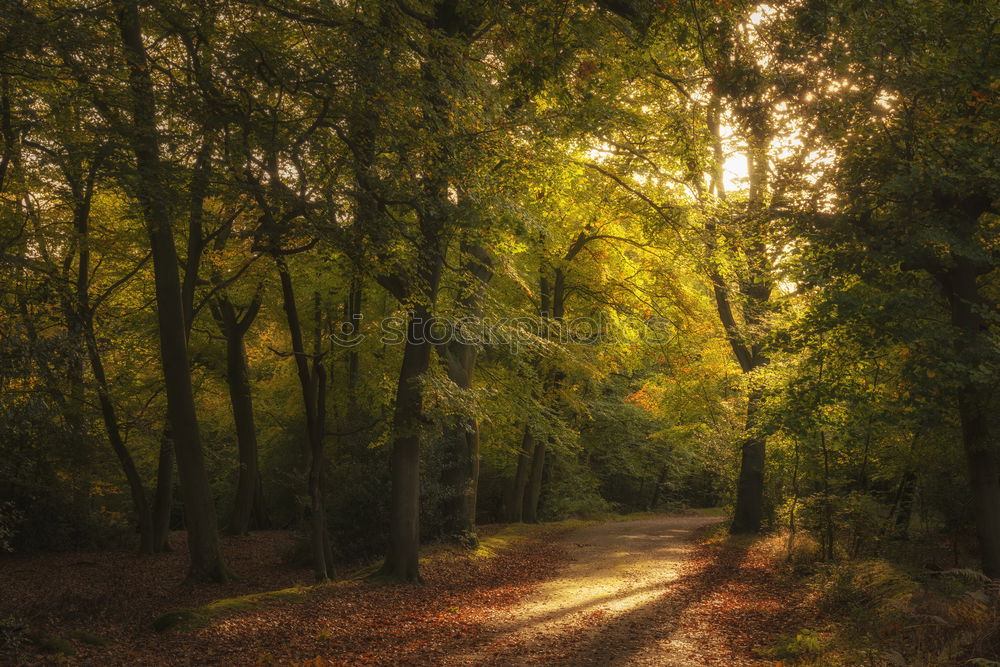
462, 471
657, 488
749, 512
984, 484
321, 539
82, 454
515, 491
352, 319
79, 322
534, 491
973, 347
793, 506
259, 519
164, 499
110, 417
904, 505
234, 330
552, 301
317, 458
313, 385
401, 561
199, 508
418, 288
754, 288
461, 474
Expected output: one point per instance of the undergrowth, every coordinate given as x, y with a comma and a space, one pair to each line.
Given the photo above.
877, 611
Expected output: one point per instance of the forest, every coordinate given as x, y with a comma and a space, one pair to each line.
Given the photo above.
406, 310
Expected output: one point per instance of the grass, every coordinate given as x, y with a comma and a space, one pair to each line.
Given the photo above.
193, 618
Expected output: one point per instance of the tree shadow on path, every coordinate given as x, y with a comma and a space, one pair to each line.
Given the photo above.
724, 604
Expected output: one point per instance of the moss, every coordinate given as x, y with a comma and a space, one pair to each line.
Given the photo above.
87, 638
366, 572
503, 540
514, 534
193, 618
52, 644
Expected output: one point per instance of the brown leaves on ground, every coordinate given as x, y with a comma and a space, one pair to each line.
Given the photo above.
730, 601
726, 602
116, 596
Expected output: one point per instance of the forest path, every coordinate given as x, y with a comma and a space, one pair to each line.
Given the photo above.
613, 605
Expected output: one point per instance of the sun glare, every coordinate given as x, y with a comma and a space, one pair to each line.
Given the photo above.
735, 172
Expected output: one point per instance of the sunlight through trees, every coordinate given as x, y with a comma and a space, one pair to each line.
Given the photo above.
382, 272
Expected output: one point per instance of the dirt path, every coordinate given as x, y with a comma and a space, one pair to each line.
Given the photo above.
611, 606
638, 592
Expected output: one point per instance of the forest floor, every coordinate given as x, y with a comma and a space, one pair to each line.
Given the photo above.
647, 591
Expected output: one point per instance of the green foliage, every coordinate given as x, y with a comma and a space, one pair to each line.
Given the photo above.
572, 492
805, 643
874, 589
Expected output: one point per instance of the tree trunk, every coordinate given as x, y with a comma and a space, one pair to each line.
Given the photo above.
352, 323
321, 541
748, 514
984, 482
754, 286
985, 500
241, 401
534, 490
259, 519
904, 505
973, 348
79, 322
313, 385
147, 542
199, 509
461, 473
656, 489
401, 561
82, 454
240, 398
164, 500
515, 491
460, 355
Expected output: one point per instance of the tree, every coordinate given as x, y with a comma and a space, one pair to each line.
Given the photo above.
152, 191
915, 189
